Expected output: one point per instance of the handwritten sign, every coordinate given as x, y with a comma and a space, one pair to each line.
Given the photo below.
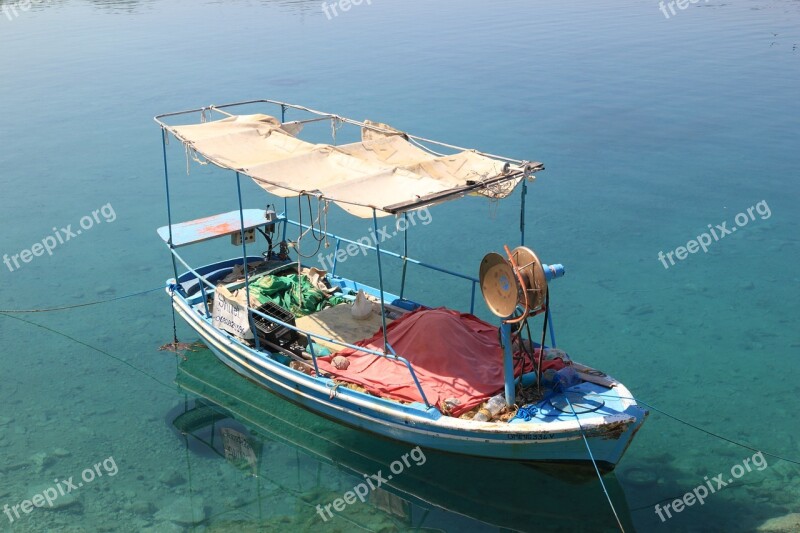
230, 315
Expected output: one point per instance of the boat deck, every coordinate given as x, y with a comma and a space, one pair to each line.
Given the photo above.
335, 326
337, 323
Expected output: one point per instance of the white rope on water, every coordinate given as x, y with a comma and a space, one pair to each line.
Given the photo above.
594, 463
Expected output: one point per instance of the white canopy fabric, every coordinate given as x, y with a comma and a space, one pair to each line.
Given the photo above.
385, 171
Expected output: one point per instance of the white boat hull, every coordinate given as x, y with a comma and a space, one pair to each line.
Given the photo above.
557, 440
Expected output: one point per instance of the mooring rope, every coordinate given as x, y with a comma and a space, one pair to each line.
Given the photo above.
707, 432
73, 339
594, 463
65, 307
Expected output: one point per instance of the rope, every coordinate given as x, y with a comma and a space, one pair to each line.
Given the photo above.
526, 412
414, 141
73, 339
65, 307
336, 124
707, 432
191, 155
594, 463
320, 211
174, 324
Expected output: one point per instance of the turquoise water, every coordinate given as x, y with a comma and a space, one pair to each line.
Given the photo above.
651, 129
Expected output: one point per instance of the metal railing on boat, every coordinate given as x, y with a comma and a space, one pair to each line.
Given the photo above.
391, 354
404, 258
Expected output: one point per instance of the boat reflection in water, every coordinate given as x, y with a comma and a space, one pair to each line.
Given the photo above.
288, 462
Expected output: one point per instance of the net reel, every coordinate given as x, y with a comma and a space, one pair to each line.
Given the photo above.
513, 284
515, 289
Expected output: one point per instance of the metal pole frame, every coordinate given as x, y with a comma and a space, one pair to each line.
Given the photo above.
285, 217
508, 362
523, 194
244, 263
164, 134
386, 347
405, 257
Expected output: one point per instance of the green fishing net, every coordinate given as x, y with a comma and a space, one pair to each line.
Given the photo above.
292, 292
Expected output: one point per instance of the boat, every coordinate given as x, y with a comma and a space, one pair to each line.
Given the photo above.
274, 443
357, 353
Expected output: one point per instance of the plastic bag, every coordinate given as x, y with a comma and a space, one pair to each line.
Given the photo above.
362, 307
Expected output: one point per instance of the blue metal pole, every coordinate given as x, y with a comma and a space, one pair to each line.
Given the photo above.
550, 325
472, 298
508, 362
285, 217
205, 297
413, 374
244, 263
313, 354
522, 212
380, 278
169, 204
405, 256
335, 256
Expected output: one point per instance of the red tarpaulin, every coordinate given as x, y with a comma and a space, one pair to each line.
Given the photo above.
455, 356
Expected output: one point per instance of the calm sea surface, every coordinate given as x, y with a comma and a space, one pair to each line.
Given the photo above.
653, 125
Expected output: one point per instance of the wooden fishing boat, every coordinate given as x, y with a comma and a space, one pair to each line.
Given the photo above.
257, 432
362, 355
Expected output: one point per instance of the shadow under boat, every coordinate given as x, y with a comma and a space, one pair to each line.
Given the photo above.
235, 419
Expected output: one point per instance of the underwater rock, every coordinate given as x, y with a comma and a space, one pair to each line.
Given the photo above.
789, 523
172, 479
41, 461
5, 420
61, 452
163, 527
234, 502
181, 511
13, 466
106, 291
142, 508
63, 501
639, 477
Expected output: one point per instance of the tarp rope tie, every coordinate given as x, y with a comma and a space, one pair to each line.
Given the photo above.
65, 307
336, 124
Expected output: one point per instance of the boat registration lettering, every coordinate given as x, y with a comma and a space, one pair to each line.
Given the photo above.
529, 436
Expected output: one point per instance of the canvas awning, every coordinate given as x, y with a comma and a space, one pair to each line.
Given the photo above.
385, 171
